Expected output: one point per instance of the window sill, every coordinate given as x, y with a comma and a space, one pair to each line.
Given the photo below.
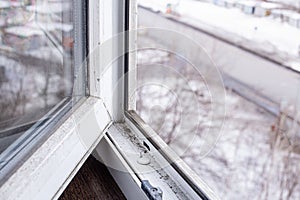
120, 150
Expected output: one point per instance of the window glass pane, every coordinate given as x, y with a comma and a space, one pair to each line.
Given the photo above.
255, 46
37, 64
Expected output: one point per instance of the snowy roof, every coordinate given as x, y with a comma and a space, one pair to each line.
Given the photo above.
288, 13
51, 26
247, 3
4, 4
49, 8
231, 1
7, 4
277, 11
270, 5
23, 31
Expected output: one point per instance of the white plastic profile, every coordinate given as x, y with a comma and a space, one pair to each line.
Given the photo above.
48, 170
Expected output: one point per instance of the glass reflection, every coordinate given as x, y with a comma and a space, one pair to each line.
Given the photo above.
36, 59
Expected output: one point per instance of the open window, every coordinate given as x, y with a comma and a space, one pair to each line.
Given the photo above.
256, 154
87, 100
140, 142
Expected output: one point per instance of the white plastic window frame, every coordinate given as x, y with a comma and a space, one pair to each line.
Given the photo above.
184, 183
93, 125
48, 170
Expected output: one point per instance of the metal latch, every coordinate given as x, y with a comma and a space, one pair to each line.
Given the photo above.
153, 193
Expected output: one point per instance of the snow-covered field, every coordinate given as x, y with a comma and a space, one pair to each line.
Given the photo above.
250, 159
266, 35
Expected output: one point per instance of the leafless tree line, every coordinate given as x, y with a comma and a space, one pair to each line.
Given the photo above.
25, 90
269, 166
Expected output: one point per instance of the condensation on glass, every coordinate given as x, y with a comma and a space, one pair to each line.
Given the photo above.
37, 65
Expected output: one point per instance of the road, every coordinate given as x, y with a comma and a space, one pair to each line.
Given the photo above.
265, 76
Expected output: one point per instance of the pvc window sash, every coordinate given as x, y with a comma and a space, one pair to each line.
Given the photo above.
46, 173
49, 169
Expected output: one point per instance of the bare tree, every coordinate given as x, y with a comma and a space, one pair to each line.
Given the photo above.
252, 153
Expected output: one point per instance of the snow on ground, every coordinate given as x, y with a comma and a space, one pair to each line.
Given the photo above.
157, 5
282, 36
248, 161
294, 3
266, 34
